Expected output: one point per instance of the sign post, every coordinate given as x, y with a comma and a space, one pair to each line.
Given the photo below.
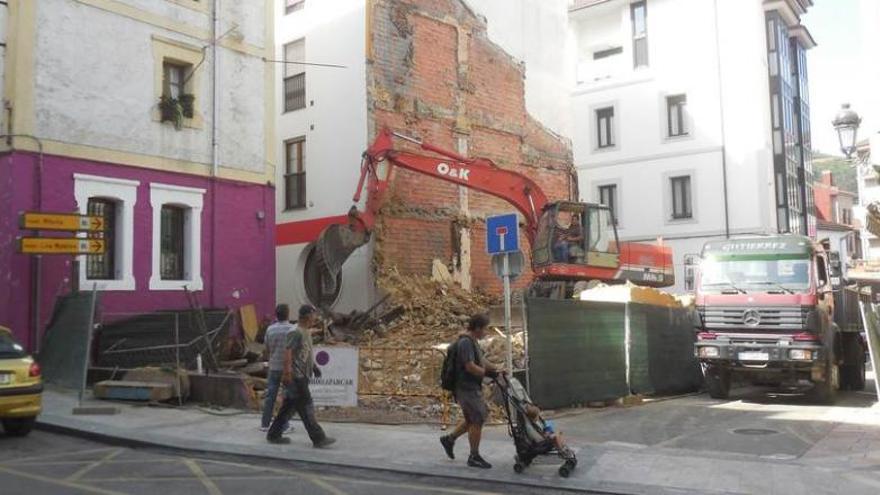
502, 242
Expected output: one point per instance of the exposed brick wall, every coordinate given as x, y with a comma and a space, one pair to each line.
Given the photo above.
433, 73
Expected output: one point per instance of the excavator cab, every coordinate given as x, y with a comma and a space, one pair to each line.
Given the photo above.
577, 235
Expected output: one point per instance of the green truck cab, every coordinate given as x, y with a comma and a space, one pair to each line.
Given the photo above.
771, 310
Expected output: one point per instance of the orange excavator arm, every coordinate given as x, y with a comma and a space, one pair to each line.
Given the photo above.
475, 173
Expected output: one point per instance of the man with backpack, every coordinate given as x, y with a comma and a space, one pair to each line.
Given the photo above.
463, 371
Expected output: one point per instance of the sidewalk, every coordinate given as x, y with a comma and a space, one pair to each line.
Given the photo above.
604, 467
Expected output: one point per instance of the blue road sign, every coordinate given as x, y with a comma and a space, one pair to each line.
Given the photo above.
502, 234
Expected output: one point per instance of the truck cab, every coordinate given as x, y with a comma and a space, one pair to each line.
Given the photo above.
765, 314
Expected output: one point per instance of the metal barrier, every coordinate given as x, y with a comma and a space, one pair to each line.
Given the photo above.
131, 340
403, 372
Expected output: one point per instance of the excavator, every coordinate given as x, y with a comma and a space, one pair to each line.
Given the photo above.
570, 241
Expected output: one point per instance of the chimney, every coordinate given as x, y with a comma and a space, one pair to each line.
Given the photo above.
827, 178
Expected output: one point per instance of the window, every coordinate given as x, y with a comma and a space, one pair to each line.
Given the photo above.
608, 197
294, 76
293, 5
681, 197
114, 199
294, 174
177, 233
691, 262
172, 243
605, 127
676, 116
639, 16
610, 52
103, 266
173, 79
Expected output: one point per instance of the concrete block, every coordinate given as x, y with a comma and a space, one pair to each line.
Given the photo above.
226, 390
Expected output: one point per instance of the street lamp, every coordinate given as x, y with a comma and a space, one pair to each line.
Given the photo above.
846, 123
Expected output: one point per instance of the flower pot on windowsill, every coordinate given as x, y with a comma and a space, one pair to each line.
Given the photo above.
171, 111
186, 104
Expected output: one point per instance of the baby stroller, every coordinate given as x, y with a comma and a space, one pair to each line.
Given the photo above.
527, 432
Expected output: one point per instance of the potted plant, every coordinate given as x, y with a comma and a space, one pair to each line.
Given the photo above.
171, 110
186, 102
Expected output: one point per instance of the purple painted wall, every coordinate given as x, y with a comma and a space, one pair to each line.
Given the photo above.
243, 245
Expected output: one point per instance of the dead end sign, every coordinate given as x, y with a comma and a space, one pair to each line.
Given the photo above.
502, 233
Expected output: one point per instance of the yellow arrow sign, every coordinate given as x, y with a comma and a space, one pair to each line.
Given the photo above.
60, 245
69, 222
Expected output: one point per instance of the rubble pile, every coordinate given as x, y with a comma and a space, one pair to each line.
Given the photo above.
433, 312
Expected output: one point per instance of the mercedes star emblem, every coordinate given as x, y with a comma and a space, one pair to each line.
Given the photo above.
751, 317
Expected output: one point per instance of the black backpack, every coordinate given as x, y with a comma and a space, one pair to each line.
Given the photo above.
450, 367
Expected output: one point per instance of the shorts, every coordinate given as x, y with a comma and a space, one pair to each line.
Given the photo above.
473, 407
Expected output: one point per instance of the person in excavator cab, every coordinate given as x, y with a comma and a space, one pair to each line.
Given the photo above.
568, 247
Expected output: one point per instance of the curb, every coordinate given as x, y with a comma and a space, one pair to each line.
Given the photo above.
129, 442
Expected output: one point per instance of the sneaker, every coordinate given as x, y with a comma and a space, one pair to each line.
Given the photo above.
326, 442
478, 462
264, 429
279, 440
448, 444
287, 430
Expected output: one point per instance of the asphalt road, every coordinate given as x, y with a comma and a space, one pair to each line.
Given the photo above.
48, 463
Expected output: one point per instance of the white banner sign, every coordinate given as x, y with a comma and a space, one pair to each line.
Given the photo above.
338, 384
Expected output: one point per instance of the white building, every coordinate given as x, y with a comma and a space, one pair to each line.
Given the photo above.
323, 119
691, 118
869, 192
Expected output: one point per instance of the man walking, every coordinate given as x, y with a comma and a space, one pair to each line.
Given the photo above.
299, 367
276, 344
471, 368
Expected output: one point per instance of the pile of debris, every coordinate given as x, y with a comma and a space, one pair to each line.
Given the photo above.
432, 311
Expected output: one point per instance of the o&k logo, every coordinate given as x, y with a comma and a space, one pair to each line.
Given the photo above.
453, 171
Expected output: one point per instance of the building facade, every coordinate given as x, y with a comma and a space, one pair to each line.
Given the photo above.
835, 219
867, 162
698, 133
480, 77
156, 115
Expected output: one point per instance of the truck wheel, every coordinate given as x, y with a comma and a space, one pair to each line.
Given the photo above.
825, 392
718, 382
852, 374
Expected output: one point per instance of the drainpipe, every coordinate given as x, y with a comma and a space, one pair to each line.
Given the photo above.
36, 260
215, 146
723, 134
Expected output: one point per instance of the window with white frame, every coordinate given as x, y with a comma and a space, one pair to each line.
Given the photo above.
294, 75
676, 116
681, 197
608, 197
114, 199
177, 234
639, 18
605, 128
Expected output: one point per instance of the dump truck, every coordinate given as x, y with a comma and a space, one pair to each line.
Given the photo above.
570, 241
774, 310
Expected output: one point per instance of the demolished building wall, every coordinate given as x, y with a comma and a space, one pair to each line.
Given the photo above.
433, 72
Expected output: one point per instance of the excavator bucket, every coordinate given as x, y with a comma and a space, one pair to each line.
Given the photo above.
335, 244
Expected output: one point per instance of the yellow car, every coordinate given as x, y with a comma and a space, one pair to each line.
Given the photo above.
20, 387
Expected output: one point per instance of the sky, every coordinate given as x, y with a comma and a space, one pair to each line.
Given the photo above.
844, 67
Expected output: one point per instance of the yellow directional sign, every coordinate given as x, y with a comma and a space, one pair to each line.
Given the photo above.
70, 222
60, 245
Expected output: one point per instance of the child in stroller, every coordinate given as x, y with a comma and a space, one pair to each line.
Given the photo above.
532, 435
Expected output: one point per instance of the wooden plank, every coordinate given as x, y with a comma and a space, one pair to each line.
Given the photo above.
249, 322
140, 391
68, 222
